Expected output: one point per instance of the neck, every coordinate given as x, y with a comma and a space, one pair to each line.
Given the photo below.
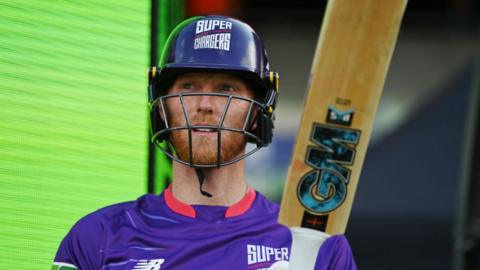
227, 184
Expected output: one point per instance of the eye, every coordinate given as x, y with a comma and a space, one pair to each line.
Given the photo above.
186, 86
227, 88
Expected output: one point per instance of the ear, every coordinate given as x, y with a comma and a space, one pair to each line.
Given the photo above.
157, 122
261, 126
264, 129
253, 119
160, 113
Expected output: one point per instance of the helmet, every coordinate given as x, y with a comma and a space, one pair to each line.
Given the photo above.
218, 44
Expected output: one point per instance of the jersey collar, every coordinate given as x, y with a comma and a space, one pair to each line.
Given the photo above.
184, 209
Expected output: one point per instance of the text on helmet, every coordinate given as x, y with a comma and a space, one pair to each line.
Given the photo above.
209, 25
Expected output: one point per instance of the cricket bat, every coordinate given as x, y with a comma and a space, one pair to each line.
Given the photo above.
351, 61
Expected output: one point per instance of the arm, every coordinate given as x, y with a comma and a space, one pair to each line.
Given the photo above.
80, 249
315, 250
335, 254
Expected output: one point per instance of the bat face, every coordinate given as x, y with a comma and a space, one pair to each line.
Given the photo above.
350, 65
330, 155
324, 188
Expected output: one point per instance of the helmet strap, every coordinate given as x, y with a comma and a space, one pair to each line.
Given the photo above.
201, 180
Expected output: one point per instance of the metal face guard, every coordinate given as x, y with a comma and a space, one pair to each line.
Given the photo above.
164, 129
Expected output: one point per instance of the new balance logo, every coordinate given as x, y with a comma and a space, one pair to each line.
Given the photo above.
154, 264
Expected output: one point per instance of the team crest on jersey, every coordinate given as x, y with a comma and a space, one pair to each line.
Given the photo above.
213, 34
260, 257
153, 264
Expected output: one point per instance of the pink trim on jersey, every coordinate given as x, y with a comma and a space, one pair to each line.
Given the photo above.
178, 206
243, 205
184, 209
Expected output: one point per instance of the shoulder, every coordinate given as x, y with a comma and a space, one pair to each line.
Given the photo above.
103, 218
82, 245
335, 253
337, 241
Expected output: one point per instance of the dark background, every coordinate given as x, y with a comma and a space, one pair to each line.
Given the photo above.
410, 206
406, 206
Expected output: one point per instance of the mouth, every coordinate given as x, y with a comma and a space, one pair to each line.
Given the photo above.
204, 129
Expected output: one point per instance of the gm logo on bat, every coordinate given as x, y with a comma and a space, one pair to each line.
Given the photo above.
324, 188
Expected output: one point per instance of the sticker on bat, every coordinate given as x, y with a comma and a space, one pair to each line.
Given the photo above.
324, 188
316, 222
339, 117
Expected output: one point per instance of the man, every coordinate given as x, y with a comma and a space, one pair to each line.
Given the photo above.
212, 93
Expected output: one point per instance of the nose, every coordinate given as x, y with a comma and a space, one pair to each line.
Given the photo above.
205, 102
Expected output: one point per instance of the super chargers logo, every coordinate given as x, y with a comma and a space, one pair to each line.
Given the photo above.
213, 34
260, 257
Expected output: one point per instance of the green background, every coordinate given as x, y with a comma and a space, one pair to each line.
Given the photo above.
73, 118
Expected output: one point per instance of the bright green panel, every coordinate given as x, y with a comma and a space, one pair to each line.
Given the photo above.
170, 14
73, 118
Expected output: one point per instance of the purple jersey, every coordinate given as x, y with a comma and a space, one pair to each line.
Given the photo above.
160, 232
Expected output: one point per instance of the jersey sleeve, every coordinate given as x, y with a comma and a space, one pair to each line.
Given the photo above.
81, 247
335, 254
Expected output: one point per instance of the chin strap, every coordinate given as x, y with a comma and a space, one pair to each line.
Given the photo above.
201, 179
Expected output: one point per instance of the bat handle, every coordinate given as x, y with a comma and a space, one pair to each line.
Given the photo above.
305, 246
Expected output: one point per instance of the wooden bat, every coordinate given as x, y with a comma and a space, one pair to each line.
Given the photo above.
346, 81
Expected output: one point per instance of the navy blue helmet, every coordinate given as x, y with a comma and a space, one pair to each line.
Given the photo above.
215, 44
